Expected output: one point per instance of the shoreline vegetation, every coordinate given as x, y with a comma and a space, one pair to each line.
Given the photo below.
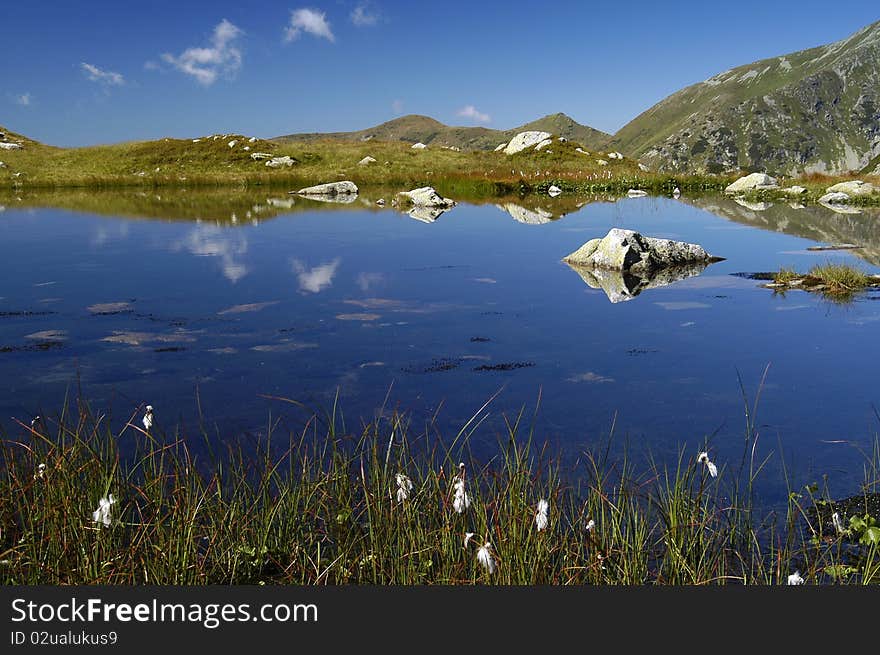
210, 161
83, 503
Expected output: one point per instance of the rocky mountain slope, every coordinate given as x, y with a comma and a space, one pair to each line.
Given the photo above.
415, 128
816, 110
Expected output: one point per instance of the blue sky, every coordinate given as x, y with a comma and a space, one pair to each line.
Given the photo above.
79, 73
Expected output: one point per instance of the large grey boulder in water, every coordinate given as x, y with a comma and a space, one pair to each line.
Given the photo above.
629, 251
330, 189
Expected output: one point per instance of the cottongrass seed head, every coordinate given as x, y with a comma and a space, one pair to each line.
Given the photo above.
468, 536
460, 499
102, 514
795, 578
148, 418
404, 487
541, 518
703, 458
486, 558
41, 472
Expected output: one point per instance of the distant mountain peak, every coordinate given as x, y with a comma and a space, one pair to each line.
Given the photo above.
815, 110
414, 128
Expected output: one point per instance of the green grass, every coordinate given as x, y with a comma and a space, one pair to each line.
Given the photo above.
841, 278
786, 275
320, 506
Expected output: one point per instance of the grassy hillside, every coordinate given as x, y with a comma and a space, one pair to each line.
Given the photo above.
816, 110
414, 128
209, 160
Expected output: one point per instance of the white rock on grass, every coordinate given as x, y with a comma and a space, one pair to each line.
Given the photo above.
10, 146
525, 140
636, 193
418, 146
615, 155
834, 198
581, 150
197, 140
543, 144
345, 187
426, 197
794, 190
601, 162
554, 191
500, 146
232, 143
366, 161
256, 156
643, 168
252, 139
752, 182
278, 162
853, 188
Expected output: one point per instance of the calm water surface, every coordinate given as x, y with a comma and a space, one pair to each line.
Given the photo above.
306, 301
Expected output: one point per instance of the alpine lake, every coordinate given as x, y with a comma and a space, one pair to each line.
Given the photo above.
219, 308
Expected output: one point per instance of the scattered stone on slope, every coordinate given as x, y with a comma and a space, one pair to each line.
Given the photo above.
366, 161
525, 140
853, 188
752, 182
418, 146
834, 198
278, 162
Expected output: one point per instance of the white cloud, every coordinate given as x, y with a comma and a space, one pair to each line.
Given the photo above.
314, 279
397, 106
206, 64
24, 99
151, 66
363, 15
311, 21
473, 113
95, 74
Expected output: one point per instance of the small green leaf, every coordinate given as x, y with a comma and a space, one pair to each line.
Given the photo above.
871, 536
840, 570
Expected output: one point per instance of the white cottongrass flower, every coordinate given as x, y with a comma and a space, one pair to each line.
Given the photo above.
148, 418
102, 514
795, 578
467, 538
703, 458
41, 471
838, 524
485, 558
590, 525
404, 487
460, 499
541, 515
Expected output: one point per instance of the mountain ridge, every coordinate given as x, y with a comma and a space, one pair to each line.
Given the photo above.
414, 128
814, 110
